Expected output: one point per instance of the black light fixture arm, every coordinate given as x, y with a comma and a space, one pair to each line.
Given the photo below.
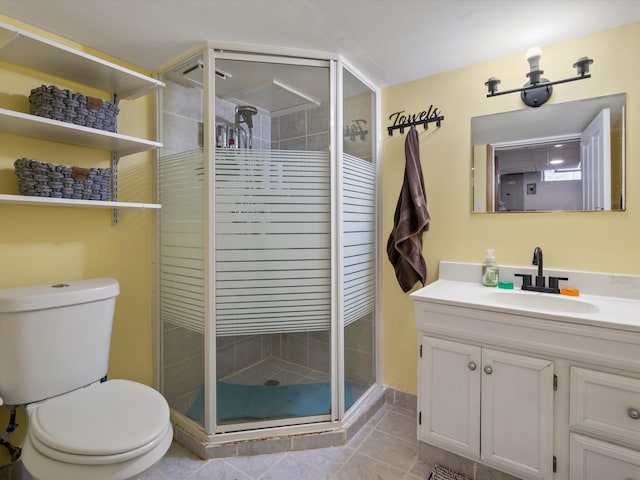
538, 85
538, 89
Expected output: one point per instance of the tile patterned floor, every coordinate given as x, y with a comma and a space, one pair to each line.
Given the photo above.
384, 449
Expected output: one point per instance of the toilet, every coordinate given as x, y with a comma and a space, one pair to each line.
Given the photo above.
54, 352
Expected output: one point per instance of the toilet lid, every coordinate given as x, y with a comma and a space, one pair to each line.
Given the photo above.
108, 418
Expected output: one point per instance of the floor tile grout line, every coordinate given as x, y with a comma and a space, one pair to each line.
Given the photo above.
394, 437
416, 461
355, 449
205, 462
385, 463
291, 454
342, 463
246, 474
397, 436
162, 473
272, 466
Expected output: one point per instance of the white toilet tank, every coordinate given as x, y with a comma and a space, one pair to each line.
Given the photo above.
54, 338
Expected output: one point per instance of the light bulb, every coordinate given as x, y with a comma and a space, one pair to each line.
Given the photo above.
533, 52
533, 57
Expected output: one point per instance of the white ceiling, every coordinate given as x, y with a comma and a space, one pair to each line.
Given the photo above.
389, 41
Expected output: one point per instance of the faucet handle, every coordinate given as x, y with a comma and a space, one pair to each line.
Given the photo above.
553, 282
526, 279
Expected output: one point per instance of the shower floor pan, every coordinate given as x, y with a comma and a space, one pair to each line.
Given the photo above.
271, 389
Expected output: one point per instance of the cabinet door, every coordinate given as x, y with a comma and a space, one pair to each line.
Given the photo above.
517, 414
596, 460
449, 384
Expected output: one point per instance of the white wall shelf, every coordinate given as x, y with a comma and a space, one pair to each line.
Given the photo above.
19, 123
39, 53
67, 202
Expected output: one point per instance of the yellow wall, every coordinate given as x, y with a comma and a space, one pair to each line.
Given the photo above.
594, 241
52, 244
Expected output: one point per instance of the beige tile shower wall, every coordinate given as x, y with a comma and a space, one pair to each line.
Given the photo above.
312, 350
306, 349
181, 118
304, 130
234, 354
359, 358
183, 366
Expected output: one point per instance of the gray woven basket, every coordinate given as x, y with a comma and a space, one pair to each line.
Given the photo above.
57, 104
58, 181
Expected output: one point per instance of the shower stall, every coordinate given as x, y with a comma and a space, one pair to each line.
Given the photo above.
267, 245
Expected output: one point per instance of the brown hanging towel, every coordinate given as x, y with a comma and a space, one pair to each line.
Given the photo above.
411, 218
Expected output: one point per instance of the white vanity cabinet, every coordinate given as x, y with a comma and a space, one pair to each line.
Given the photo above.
41, 54
489, 405
537, 386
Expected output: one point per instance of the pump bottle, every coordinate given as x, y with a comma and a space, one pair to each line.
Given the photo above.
490, 271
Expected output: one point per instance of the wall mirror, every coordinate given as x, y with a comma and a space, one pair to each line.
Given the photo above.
564, 156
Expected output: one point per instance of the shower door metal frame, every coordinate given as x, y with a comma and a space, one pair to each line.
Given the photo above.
291, 425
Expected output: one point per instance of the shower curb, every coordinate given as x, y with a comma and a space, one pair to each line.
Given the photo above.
204, 447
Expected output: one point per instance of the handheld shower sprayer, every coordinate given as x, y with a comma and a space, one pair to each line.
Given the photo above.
244, 114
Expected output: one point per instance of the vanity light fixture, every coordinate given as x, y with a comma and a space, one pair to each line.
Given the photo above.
539, 89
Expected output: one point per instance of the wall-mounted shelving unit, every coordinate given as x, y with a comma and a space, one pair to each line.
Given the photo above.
41, 54
29, 50
27, 125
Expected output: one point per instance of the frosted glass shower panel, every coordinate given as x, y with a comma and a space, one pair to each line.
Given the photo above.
359, 213
273, 241
181, 276
359, 235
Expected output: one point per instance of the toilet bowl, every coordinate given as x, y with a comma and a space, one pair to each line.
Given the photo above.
113, 430
54, 345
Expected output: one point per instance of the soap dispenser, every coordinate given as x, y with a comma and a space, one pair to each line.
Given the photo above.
490, 272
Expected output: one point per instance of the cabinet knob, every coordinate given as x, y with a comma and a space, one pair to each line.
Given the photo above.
488, 370
472, 365
634, 413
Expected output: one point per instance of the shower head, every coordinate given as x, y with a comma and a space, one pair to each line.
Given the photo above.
246, 112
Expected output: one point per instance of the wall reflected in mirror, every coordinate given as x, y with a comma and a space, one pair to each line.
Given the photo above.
561, 157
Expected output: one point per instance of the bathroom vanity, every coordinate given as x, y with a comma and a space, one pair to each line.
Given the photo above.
537, 385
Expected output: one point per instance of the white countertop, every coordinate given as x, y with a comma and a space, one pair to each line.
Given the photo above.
455, 289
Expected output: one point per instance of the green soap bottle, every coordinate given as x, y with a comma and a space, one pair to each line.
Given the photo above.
490, 271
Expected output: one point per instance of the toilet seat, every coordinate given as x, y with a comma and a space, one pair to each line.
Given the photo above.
105, 423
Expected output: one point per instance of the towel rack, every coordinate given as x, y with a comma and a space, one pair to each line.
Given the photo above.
400, 122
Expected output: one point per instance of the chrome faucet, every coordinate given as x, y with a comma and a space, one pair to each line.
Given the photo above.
537, 260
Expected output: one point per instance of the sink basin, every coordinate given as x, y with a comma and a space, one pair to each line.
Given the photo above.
542, 301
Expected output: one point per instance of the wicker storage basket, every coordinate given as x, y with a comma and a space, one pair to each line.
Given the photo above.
58, 181
57, 104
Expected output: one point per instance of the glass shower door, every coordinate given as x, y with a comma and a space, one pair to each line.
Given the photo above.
273, 256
